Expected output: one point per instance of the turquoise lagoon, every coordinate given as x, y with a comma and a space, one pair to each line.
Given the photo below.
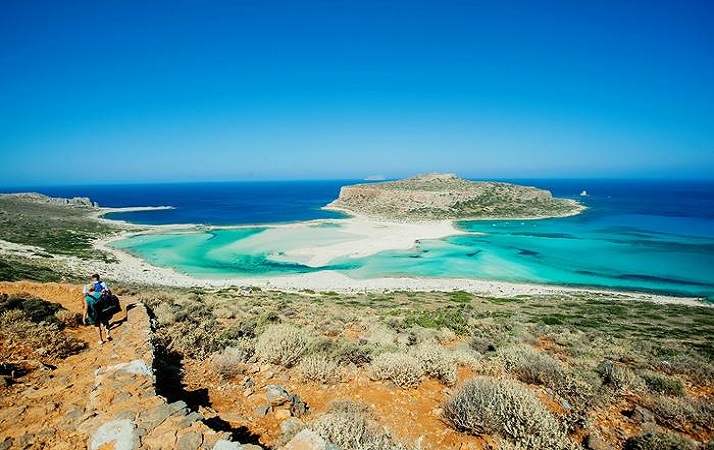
625, 251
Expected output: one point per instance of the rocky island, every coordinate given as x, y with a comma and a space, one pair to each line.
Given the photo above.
446, 196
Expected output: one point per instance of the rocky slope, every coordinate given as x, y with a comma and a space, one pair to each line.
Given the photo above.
446, 196
61, 201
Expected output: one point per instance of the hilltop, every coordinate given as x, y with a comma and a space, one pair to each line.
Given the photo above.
446, 196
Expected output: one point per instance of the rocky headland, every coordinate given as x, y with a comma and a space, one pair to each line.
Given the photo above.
35, 197
441, 196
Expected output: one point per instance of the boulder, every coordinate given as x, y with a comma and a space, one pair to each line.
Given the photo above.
306, 440
291, 426
276, 394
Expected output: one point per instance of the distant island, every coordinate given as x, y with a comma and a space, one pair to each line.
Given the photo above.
439, 196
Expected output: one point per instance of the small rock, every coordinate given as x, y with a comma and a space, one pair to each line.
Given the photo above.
291, 426
263, 410
254, 368
306, 440
120, 432
191, 440
248, 382
248, 392
276, 394
281, 414
437, 412
640, 414
6, 443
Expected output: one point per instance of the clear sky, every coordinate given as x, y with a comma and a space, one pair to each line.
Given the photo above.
221, 90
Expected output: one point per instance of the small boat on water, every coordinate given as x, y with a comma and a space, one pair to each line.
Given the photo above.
584, 193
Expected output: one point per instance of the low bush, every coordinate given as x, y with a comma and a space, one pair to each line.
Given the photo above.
454, 318
436, 361
69, 318
318, 368
683, 413
663, 384
482, 344
281, 344
228, 362
346, 352
351, 426
507, 408
618, 377
659, 440
45, 339
197, 340
33, 309
403, 370
532, 366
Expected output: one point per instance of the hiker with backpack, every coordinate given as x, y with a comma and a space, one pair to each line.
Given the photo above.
97, 311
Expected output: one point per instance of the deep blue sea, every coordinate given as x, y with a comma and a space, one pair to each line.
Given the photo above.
655, 236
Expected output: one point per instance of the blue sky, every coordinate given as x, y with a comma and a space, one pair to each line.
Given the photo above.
188, 90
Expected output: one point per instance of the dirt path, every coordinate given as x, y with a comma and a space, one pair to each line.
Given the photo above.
42, 411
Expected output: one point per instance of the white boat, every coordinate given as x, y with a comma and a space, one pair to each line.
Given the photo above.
584, 193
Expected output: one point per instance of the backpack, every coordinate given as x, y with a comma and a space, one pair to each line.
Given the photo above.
109, 304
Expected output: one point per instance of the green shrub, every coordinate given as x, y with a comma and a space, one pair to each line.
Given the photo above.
403, 370
663, 384
460, 297
659, 440
618, 377
454, 318
281, 344
507, 408
318, 368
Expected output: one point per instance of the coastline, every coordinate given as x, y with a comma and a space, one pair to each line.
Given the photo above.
370, 236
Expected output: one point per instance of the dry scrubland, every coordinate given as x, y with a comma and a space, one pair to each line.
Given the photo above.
414, 370
382, 370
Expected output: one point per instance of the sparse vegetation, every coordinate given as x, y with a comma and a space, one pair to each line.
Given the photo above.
351, 426
658, 440
663, 384
403, 370
592, 364
229, 361
506, 408
318, 368
281, 344
56, 229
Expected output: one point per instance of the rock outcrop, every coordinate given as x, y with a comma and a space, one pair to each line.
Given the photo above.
83, 202
446, 196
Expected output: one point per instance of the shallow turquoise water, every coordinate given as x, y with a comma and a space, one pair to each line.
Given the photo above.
649, 236
579, 251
